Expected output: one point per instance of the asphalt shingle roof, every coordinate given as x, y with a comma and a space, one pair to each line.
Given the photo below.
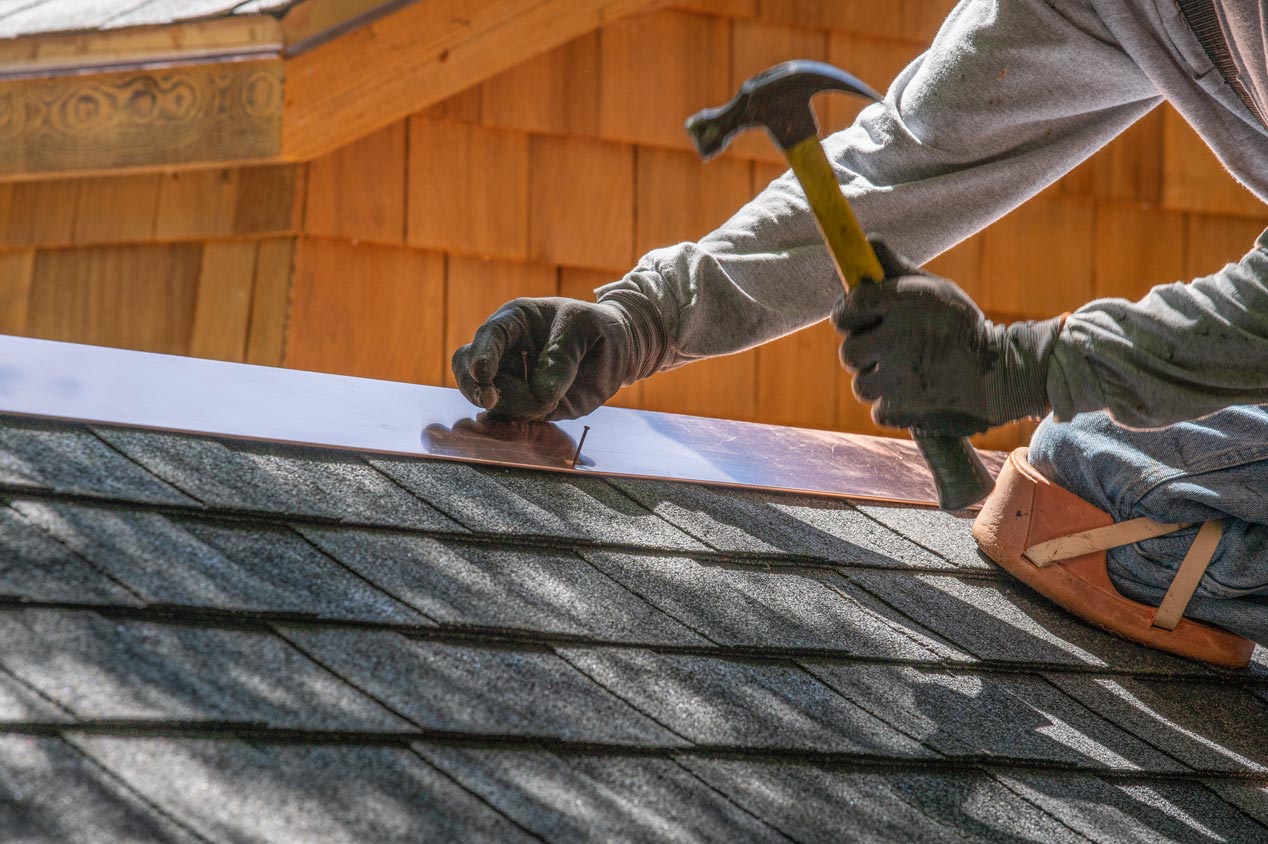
216, 641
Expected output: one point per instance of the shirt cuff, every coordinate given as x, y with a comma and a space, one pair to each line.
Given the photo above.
1073, 387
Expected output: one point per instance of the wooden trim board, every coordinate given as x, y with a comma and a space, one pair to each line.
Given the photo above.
238, 37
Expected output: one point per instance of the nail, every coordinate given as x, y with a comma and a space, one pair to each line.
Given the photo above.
524, 357
576, 455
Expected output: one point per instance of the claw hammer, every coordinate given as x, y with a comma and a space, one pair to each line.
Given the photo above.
779, 100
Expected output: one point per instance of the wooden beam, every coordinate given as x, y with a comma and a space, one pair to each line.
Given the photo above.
116, 49
203, 114
382, 71
312, 22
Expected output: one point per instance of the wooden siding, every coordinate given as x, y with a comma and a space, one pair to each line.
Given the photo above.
553, 177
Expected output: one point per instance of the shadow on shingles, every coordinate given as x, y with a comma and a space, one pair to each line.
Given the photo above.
1005, 621
98, 670
753, 524
1099, 809
238, 791
1088, 741
1045, 736
64, 797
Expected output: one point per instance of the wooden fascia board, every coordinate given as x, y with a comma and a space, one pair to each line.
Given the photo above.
83, 53
129, 102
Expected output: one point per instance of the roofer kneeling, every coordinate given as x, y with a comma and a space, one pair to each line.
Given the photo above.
1154, 428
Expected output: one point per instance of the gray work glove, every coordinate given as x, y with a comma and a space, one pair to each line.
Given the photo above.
924, 353
579, 355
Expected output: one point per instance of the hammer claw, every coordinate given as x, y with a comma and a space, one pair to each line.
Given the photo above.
776, 99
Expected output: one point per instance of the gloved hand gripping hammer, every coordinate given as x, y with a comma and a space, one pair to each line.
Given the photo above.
779, 100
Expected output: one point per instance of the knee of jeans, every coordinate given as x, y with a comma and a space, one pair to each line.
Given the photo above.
1054, 444
1061, 452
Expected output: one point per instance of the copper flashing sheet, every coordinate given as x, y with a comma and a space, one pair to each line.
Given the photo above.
118, 387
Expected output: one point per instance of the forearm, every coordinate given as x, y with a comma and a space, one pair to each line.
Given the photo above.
966, 133
1181, 352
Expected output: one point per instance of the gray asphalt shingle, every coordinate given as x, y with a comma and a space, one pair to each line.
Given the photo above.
729, 702
989, 714
815, 803
1234, 733
480, 689
1250, 798
519, 589
50, 792
165, 560
770, 608
1148, 813
289, 568
586, 798
36, 567
239, 792
755, 523
101, 669
1005, 621
473, 496
514, 501
945, 534
69, 459
277, 479
19, 703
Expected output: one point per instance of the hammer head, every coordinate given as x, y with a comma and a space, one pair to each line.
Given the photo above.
778, 99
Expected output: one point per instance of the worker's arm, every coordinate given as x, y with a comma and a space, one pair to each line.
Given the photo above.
923, 352
1183, 351
1011, 95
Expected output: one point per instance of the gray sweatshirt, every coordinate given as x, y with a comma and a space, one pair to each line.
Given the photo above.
1011, 96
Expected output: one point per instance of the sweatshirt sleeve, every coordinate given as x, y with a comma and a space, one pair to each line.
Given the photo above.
1011, 95
1183, 351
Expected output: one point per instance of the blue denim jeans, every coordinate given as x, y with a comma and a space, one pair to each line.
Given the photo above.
1215, 467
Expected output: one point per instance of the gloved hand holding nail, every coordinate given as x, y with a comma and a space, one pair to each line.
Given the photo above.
579, 355
925, 355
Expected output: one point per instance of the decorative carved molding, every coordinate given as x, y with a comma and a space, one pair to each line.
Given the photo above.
206, 114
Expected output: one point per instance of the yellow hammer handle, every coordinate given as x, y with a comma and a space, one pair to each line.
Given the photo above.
850, 250
957, 471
